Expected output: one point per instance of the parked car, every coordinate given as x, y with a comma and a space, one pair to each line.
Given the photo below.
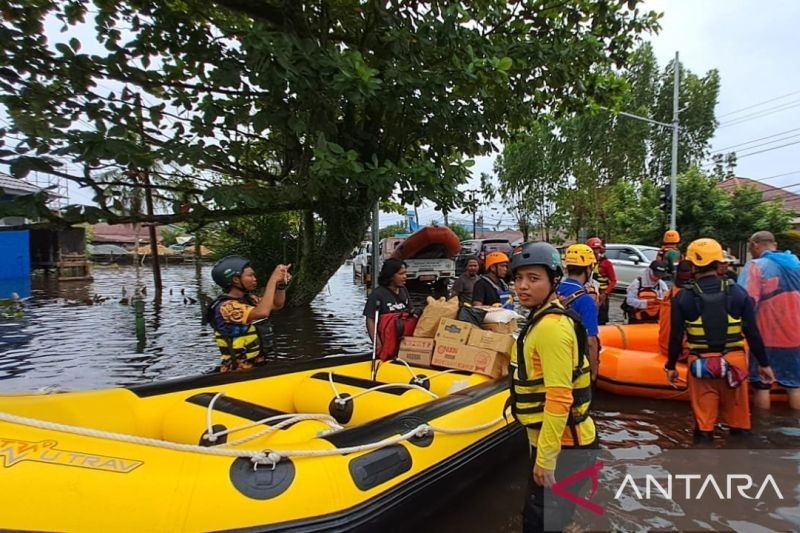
479, 248
630, 261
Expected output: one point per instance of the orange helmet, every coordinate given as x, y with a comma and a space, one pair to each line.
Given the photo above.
596, 242
671, 237
495, 258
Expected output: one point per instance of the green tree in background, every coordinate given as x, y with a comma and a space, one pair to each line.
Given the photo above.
392, 229
704, 210
570, 168
324, 108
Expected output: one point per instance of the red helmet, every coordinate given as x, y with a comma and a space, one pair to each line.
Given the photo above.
596, 242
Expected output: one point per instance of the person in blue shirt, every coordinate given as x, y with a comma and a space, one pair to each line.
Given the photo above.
577, 293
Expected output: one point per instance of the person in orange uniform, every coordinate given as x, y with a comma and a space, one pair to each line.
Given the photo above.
670, 250
642, 301
683, 277
551, 388
716, 317
605, 277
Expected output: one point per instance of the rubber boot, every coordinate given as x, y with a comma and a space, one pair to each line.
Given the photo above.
701, 437
740, 433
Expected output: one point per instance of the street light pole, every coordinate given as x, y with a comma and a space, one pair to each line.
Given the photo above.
675, 128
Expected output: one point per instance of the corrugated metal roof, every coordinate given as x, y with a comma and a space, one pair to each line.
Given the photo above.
16, 187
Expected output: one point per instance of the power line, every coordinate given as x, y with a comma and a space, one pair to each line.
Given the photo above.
760, 114
773, 141
758, 104
766, 150
754, 140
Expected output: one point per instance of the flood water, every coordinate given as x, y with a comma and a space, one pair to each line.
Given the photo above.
80, 335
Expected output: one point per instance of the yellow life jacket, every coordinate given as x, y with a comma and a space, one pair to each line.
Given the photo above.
528, 390
601, 280
241, 345
714, 330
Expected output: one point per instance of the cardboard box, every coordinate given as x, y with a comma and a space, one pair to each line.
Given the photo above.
469, 358
508, 327
451, 330
499, 342
416, 350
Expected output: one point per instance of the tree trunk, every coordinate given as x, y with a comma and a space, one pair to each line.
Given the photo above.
342, 230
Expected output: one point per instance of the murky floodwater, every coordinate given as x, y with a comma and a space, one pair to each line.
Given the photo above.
83, 335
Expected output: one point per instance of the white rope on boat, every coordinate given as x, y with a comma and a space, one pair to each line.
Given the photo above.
258, 457
341, 400
423, 377
290, 419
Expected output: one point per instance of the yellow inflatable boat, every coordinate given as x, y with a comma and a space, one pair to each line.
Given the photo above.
310, 445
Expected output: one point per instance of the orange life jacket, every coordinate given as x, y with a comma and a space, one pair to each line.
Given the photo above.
649, 313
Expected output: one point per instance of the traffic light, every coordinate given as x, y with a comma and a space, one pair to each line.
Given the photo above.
666, 198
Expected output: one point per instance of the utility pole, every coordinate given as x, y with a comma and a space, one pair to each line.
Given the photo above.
148, 197
376, 230
675, 127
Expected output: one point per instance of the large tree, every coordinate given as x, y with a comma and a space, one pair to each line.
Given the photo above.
252, 107
599, 148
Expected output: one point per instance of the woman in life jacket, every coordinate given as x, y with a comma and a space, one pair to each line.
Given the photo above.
550, 388
491, 288
242, 329
388, 310
716, 317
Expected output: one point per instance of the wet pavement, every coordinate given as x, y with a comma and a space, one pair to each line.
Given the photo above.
79, 335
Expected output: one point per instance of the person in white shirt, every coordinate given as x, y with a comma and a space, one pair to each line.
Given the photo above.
642, 302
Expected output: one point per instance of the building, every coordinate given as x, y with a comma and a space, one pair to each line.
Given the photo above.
129, 236
787, 198
14, 188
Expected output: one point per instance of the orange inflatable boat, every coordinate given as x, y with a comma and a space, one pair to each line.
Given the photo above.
430, 242
630, 365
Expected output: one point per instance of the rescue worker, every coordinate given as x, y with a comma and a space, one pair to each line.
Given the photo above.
605, 277
491, 288
772, 279
642, 302
242, 329
576, 292
670, 252
463, 286
683, 277
551, 389
716, 316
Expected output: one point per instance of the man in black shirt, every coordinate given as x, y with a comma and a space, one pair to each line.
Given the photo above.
391, 294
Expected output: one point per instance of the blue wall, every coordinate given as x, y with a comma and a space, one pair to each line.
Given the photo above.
15, 263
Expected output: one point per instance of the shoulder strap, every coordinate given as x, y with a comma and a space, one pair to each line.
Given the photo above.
569, 300
490, 282
580, 334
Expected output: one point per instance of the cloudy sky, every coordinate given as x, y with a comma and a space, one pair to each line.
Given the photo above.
754, 45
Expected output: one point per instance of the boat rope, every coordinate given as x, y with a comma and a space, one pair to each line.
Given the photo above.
421, 378
258, 457
287, 420
341, 400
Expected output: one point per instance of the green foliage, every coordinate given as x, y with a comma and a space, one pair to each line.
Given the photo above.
323, 107
462, 232
704, 210
392, 229
565, 173
789, 240
171, 233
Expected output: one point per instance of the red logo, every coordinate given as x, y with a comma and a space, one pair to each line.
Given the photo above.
593, 472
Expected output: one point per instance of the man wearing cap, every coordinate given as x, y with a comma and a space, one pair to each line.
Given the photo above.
642, 302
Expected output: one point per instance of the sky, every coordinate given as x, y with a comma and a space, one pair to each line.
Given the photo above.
754, 45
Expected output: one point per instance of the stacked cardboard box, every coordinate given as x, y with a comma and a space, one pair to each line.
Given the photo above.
462, 346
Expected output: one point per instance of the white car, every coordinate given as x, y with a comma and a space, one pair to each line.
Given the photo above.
630, 261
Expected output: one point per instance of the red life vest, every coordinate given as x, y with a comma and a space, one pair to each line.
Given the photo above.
392, 327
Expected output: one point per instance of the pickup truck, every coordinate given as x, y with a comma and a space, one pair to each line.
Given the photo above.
434, 273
